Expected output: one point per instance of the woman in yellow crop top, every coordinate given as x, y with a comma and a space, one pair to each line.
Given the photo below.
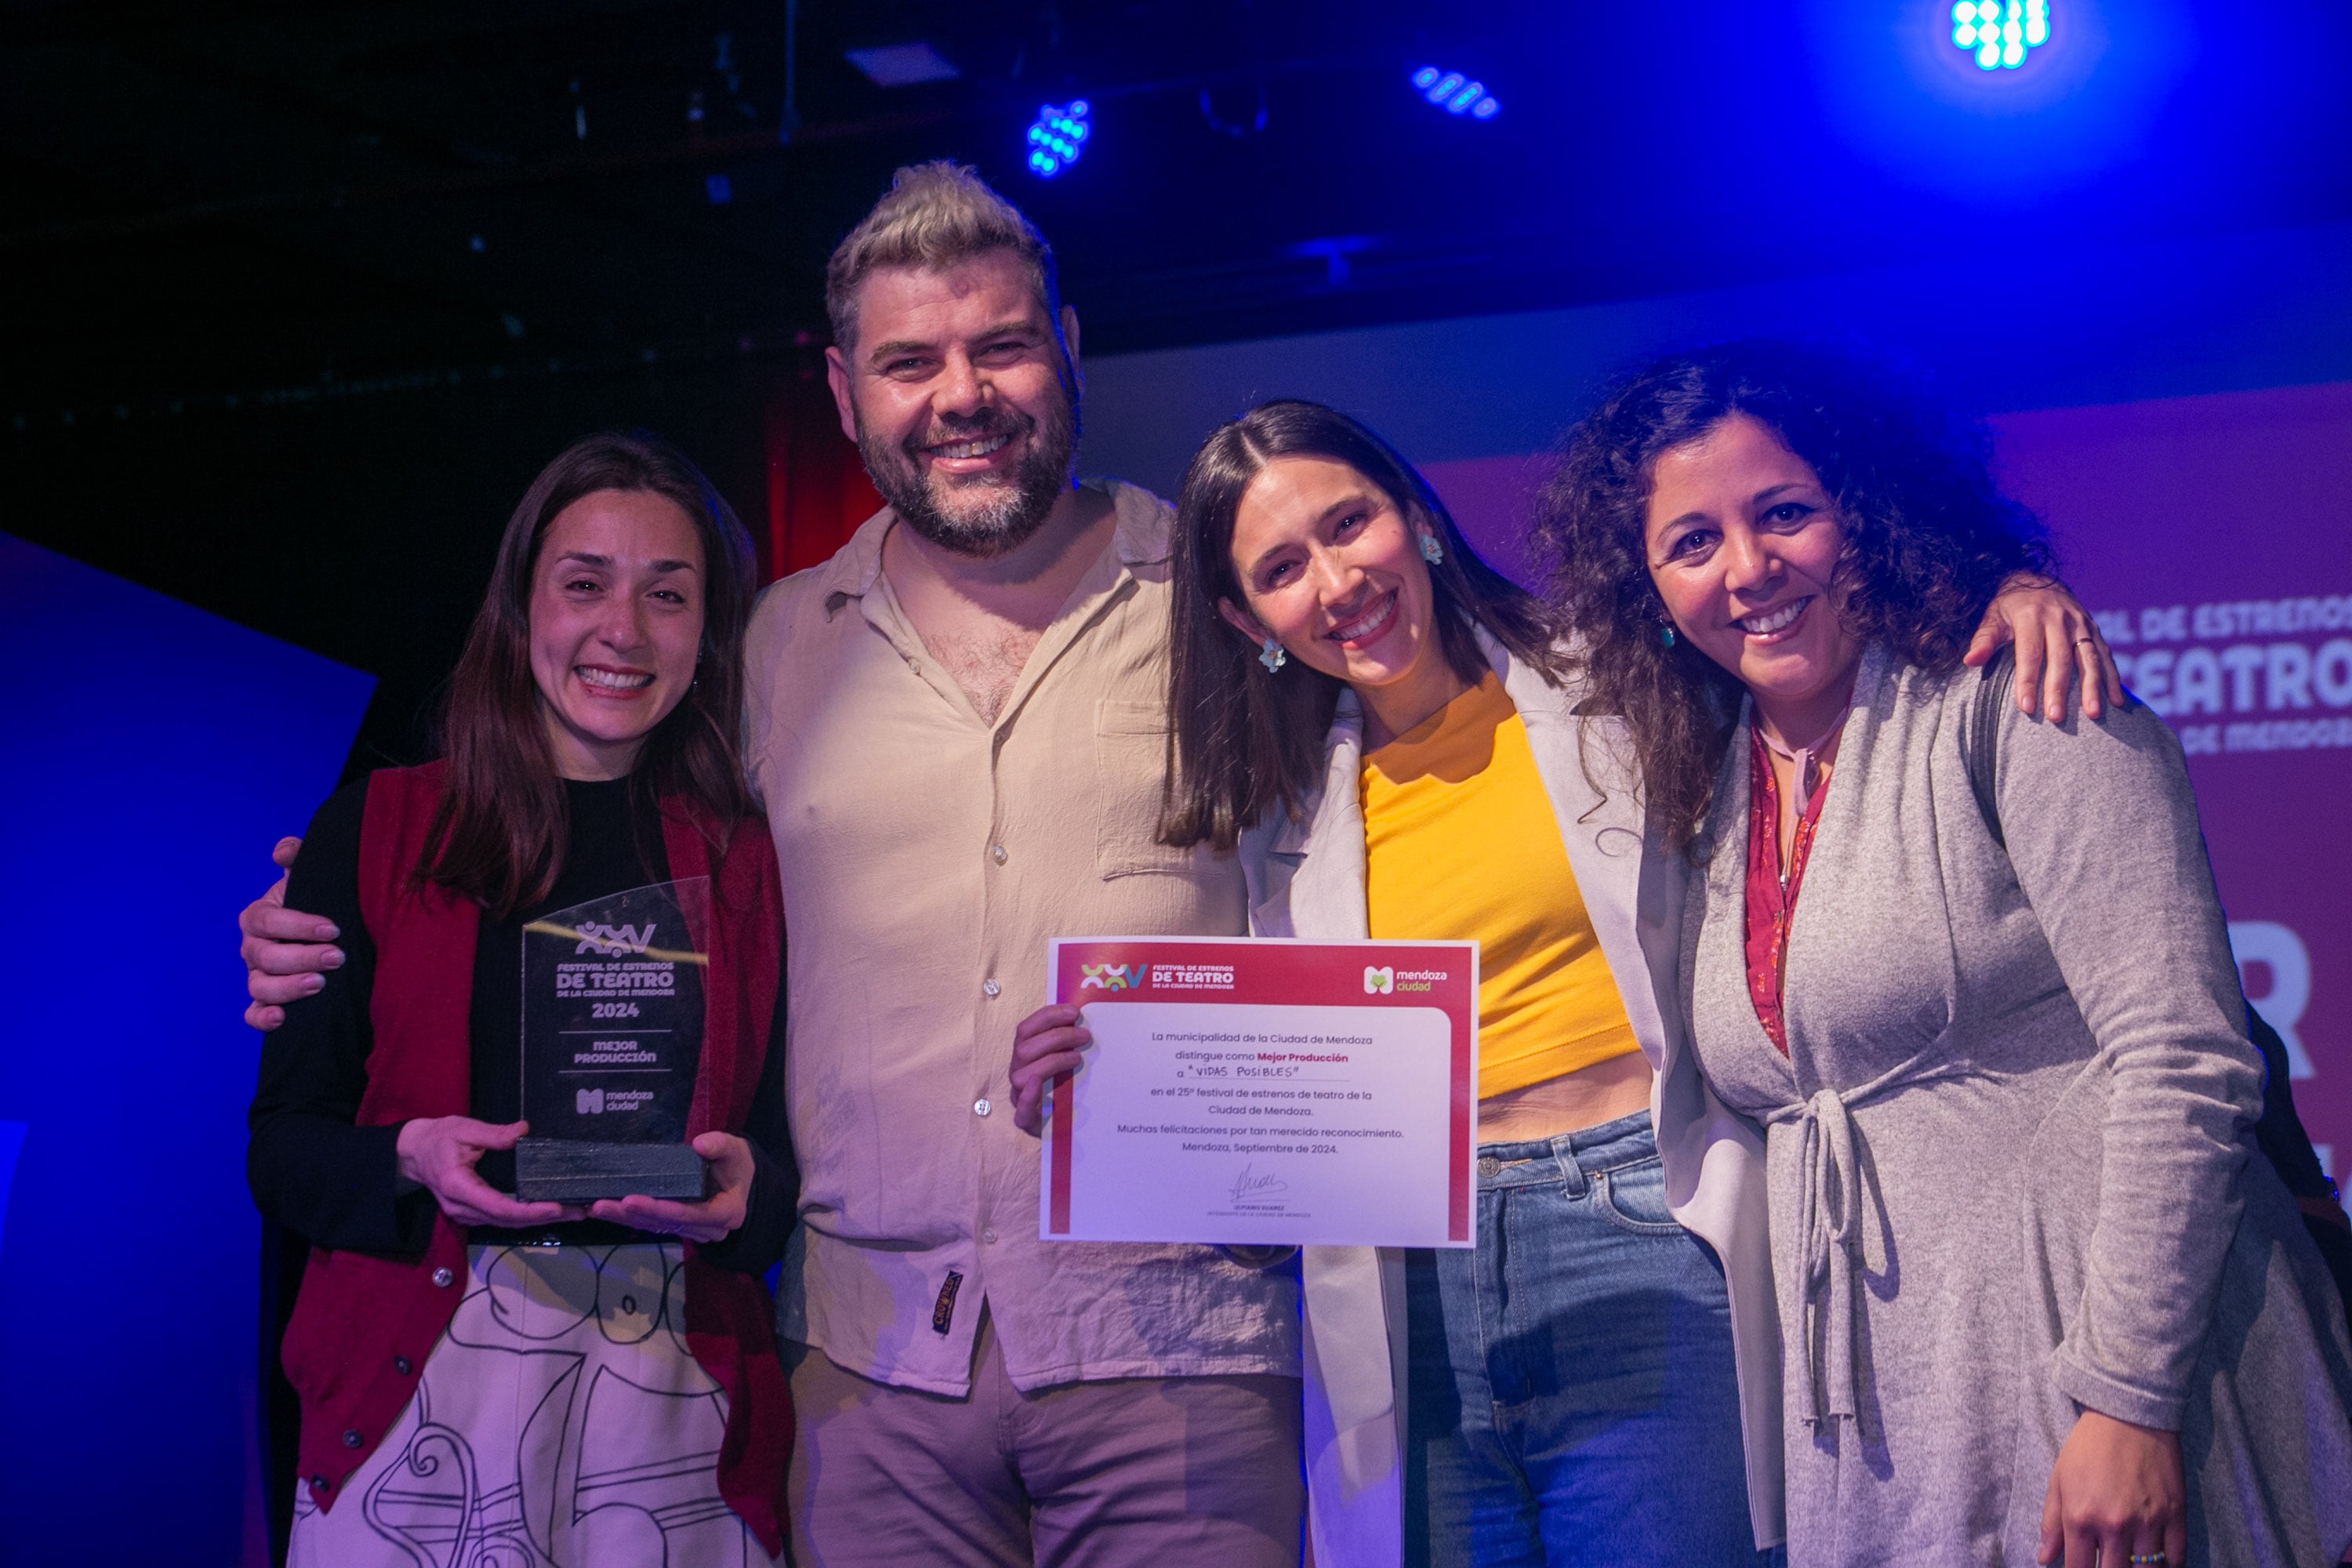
1569, 1393
1593, 1383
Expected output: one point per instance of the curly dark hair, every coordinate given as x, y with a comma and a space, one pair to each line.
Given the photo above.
1928, 539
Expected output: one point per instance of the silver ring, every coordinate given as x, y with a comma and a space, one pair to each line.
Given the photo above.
2095, 642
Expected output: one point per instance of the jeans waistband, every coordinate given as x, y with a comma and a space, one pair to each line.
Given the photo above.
1571, 1157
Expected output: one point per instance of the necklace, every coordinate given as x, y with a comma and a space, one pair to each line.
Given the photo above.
1805, 763
1807, 758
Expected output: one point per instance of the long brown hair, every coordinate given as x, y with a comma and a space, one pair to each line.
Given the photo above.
499, 835
1247, 739
1928, 538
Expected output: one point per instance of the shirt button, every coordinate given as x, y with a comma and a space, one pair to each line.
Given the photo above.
981, 1107
989, 1236
352, 1440
401, 1364
990, 987
320, 1483
996, 853
442, 1278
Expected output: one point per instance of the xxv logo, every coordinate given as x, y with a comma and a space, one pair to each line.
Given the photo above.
613, 942
1111, 976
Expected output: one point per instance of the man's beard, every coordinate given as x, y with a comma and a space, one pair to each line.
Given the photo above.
990, 514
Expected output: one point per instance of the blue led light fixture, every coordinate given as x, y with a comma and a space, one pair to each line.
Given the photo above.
2001, 33
1057, 136
1455, 93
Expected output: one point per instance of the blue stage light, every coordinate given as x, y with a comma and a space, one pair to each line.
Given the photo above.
2001, 33
1455, 93
1057, 137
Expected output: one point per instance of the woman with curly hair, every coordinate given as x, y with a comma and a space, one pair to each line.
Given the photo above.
2034, 1298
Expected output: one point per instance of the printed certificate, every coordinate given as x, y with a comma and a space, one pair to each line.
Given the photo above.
1266, 1091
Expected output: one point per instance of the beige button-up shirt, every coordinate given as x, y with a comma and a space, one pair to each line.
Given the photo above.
927, 857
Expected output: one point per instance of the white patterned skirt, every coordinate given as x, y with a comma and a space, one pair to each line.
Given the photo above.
560, 1421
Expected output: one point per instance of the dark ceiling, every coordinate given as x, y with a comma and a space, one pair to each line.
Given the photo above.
216, 200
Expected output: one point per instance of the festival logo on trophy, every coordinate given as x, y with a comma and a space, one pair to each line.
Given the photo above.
611, 1037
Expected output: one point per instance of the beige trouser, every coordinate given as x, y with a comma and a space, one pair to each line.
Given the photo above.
1164, 1472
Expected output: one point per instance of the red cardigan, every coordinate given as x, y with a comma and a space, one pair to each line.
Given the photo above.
365, 1322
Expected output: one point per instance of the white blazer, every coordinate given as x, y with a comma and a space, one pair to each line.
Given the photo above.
1306, 880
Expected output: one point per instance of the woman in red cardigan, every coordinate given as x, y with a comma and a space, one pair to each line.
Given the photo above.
485, 1379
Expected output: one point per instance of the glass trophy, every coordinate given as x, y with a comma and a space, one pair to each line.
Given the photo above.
611, 1036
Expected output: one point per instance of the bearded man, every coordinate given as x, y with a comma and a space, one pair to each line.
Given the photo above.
959, 725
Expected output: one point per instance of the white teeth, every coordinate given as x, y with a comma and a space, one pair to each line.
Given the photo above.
611, 678
1758, 625
1366, 627
979, 448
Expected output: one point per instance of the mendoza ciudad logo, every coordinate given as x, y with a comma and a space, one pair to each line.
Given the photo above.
1389, 980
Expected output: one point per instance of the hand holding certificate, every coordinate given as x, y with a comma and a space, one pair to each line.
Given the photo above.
1265, 1092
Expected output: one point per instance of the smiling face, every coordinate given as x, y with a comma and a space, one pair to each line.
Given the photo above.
616, 603
1331, 569
959, 399
1743, 543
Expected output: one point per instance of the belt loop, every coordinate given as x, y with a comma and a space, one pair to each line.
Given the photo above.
1572, 1169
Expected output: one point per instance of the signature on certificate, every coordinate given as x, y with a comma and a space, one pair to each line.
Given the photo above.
1249, 1184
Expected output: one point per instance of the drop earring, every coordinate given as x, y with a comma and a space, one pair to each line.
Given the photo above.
1666, 633
1430, 550
1272, 655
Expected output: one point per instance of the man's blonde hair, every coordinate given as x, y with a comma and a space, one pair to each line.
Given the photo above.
934, 215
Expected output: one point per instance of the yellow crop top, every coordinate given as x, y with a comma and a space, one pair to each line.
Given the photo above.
1460, 842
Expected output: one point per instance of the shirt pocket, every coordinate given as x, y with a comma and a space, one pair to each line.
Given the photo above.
1131, 758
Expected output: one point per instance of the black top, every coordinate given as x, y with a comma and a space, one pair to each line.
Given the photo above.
2281, 1135
337, 1184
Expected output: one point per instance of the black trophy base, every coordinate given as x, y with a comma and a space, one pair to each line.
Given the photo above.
562, 1171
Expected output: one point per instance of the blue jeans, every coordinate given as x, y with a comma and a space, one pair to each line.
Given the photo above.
1572, 1399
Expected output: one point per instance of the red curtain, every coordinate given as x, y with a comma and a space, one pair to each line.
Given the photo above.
817, 490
